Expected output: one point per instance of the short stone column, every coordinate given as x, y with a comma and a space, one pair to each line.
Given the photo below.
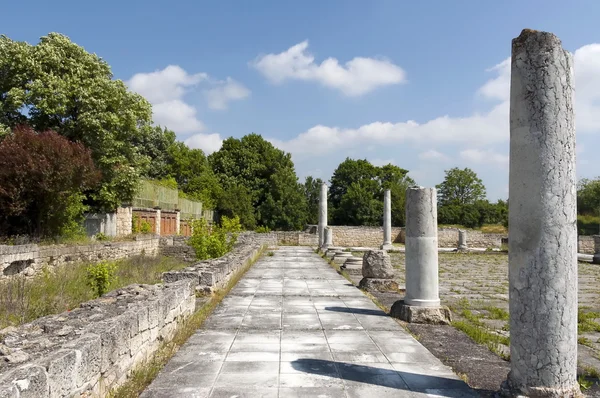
387, 220
328, 232
596, 258
178, 222
542, 252
322, 214
377, 272
421, 303
462, 240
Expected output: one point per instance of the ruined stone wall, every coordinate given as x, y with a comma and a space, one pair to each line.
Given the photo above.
30, 259
361, 236
585, 244
92, 349
448, 238
211, 274
296, 238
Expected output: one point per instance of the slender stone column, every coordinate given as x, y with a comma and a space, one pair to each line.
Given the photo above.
462, 240
322, 214
421, 302
387, 220
596, 258
542, 252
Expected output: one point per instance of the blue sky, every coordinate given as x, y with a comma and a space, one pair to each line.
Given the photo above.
420, 84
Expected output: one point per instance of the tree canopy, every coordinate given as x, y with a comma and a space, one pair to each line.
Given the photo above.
356, 192
460, 187
57, 85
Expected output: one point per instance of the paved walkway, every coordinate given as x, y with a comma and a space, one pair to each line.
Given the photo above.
293, 327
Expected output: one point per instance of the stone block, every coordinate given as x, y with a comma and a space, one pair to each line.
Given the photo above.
440, 315
377, 264
89, 347
381, 285
28, 381
62, 369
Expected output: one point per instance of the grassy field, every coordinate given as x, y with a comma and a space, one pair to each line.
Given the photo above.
64, 288
475, 287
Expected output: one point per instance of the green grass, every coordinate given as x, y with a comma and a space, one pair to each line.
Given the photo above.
482, 336
64, 288
143, 374
586, 321
497, 313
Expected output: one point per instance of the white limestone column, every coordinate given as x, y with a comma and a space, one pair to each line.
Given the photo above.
387, 220
462, 239
157, 223
322, 214
328, 238
542, 250
421, 248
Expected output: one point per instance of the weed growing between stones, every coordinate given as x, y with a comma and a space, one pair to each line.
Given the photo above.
143, 374
63, 288
100, 276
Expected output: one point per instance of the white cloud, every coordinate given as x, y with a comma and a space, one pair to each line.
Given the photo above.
434, 155
177, 116
164, 85
226, 91
479, 156
358, 76
209, 143
498, 88
382, 162
586, 62
166, 88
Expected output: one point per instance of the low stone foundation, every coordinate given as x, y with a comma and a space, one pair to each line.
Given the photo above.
412, 314
92, 349
210, 274
30, 259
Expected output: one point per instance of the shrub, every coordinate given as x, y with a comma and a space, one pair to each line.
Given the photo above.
100, 276
101, 237
588, 224
262, 229
216, 241
42, 180
139, 226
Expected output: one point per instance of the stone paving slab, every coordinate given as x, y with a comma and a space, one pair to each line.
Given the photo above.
293, 327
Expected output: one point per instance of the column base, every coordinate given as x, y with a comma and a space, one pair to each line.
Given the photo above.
387, 246
463, 248
507, 390
596, 259
438, 315
380, 285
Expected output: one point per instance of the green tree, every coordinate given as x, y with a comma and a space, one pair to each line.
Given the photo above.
361, 183
312, 191
194, 175
588, 196
268, 175
237, 201
57, 85
460, 187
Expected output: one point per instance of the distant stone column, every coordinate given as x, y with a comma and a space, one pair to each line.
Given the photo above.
421, 302
157, 221
542, 252
328, 232
322, 214
178, 222
387, 220
462, 240
596, 258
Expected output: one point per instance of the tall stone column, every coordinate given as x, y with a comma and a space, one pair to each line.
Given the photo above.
328, 238
596, 258
157, 221
322, 214
387, 220
421, 302
542, 252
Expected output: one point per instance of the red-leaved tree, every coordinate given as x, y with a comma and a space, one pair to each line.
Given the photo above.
42, 180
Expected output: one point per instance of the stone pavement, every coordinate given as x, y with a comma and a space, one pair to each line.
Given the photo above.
293, 327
